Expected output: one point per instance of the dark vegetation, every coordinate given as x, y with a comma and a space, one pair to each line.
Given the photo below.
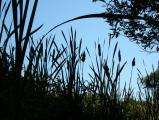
44, 81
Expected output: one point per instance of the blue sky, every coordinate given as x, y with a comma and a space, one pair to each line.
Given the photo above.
53, 12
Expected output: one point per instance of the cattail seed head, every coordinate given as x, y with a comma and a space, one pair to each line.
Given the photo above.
99, 50
119, 56
83, 56
133, 62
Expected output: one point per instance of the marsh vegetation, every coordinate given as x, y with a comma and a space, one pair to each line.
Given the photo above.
41, 80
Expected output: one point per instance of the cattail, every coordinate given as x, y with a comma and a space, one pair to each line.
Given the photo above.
83, 56
99, 50
133, 62
119, 56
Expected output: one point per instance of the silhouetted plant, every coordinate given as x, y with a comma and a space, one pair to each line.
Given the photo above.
42, 80
151, 94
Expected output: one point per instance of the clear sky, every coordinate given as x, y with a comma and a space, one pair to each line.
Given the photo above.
53, 12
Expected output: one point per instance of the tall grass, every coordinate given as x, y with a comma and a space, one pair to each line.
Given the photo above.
150, 94
44, 80
21, 39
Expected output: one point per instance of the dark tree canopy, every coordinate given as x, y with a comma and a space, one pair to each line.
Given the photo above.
151, 80
143, 25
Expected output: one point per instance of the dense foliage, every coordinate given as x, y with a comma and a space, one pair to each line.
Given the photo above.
138, 21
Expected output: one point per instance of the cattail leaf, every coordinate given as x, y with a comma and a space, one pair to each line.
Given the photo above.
23, 19
119, 56
119, 71
66, 53
88, 52
58, 68
15, 20
97, 64
79, 50
8, 33
71, 33
49, 39
34, 31
115, 48
139, 71
5, 28
98, 15
29, 28
59, 54
53, 39
4, 18
95, 73
71, 46
4, 5
74, 36
64, 37
112, 68
83, 56
56, 46
106, 69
